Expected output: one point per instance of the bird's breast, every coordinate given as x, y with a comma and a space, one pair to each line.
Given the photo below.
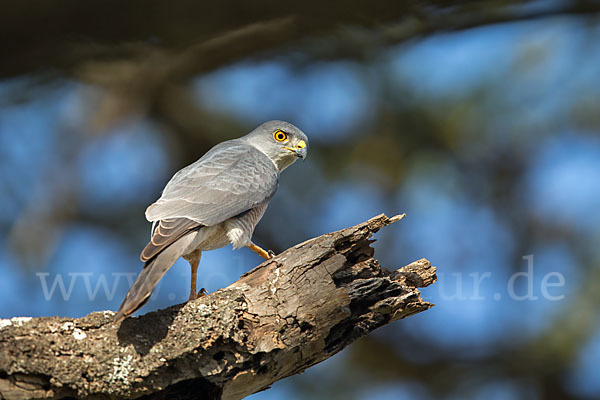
240, 229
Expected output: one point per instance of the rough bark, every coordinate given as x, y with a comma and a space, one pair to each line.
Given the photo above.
285, 315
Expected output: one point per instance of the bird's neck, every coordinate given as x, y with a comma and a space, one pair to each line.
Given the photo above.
284, 161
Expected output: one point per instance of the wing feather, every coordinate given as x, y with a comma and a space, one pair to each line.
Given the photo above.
230, 179
165, 233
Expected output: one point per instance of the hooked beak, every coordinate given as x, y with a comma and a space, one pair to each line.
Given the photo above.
300, 150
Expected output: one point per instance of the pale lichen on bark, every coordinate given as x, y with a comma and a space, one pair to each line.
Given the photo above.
285, 315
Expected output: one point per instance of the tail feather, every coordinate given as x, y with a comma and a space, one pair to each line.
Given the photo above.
154, 269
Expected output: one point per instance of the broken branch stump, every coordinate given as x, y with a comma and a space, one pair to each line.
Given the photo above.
287, 314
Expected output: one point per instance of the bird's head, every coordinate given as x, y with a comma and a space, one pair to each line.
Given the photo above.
281, 141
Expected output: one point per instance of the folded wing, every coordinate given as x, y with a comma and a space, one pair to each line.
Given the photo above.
165, 233
232, 178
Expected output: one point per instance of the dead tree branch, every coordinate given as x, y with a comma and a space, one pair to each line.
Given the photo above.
284, 316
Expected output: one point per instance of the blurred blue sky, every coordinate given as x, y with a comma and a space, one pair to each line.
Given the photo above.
461, 234
325, 97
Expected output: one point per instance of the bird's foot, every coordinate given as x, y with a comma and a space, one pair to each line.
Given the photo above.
201, 293
267, 255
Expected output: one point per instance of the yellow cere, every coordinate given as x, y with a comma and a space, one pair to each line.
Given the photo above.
301, 144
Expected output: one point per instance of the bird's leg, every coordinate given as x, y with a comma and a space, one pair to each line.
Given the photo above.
267, 255
194, 260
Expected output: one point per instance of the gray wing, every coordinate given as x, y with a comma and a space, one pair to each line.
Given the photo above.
233, 177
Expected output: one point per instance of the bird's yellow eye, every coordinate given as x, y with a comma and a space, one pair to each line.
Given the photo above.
280, 136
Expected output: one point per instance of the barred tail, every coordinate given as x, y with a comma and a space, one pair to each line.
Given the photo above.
154, 269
